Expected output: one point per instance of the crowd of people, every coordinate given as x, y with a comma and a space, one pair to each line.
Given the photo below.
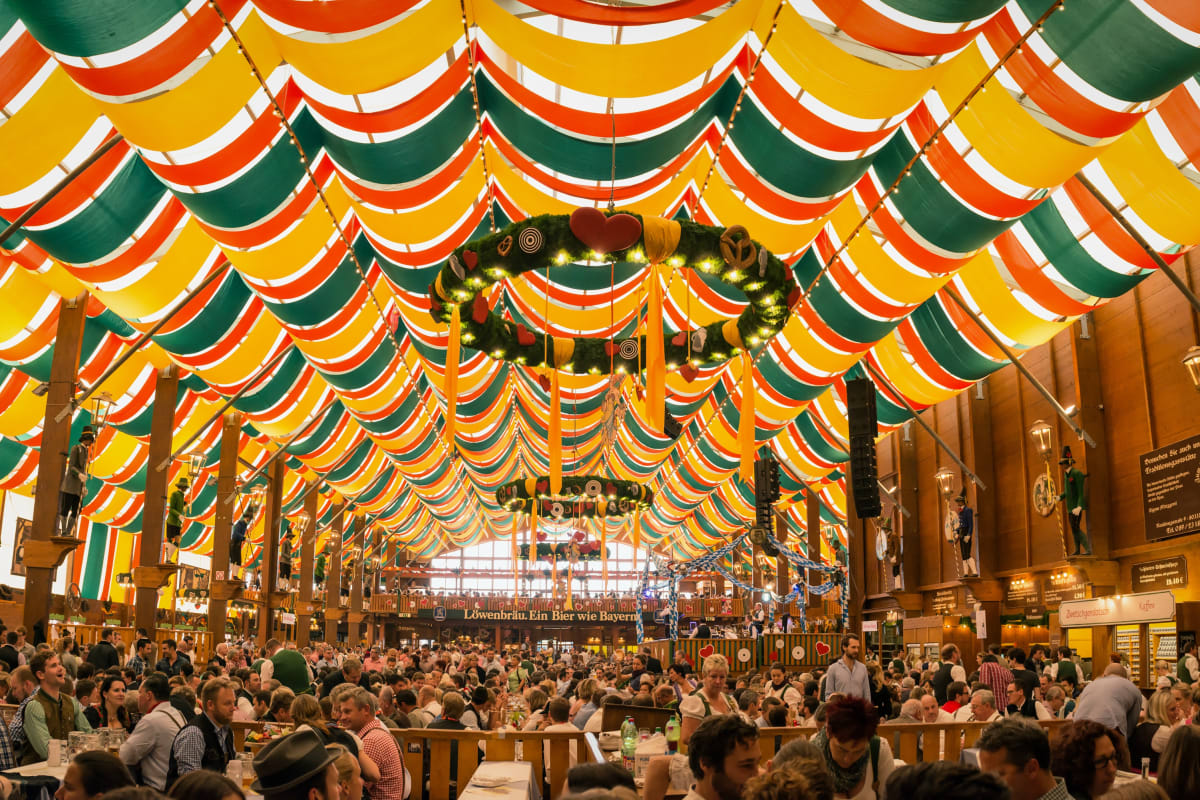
340, 708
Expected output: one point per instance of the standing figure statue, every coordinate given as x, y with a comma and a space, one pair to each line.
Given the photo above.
964, 532
176, 510
1075, 493
74, 482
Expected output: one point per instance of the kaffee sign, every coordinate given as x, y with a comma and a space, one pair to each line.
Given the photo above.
1117, 610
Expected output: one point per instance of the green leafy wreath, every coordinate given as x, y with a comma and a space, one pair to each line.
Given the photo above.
559, 239
582, 496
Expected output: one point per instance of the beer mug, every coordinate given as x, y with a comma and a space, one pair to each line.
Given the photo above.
233, 771
54, 752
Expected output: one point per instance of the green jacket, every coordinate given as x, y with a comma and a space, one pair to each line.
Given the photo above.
291, 670
1075, 489
175, 509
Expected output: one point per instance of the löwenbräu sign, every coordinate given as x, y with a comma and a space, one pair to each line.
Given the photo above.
530, 615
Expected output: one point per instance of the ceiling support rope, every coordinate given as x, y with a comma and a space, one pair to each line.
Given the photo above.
450, 457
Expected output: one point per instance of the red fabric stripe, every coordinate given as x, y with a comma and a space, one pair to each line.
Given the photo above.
1182, 118
896, 235
1106, 227
18, 65
1052, 94
1033, 280
162, 62
871, 27
588, 11
342, 16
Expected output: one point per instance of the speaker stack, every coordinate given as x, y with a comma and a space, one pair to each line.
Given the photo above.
864, 426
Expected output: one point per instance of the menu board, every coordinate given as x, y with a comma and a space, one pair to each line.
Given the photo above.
1171, 489
945, 601
1070, 587
1022, 592
1163, 573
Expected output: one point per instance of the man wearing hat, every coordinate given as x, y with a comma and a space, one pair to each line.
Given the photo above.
1075, 493
296, 767
236, 540
74, 482
176, 508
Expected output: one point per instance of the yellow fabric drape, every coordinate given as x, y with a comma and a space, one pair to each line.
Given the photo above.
554, 439
554, 577
452, 349
570, 605
655, 366
660, 237
746, 423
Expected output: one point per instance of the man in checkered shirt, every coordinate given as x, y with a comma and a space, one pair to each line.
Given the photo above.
357, 713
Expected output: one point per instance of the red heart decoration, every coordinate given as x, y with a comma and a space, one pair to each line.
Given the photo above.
610, 489
794, 296
480, 309
470, 258
707, 651
679, 339
822, 649
689, 372
605, 234
610, 348
543, 486
774, 656
524, 335
544, 382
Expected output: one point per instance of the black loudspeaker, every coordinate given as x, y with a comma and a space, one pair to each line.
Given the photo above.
671, 427
864, 426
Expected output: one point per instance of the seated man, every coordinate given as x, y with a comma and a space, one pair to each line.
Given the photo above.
49, 714
149, 746
356, 713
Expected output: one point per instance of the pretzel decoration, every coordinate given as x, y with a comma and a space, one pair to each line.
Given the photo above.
505, 246
738, 253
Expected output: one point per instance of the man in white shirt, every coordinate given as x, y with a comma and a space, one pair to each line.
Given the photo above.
149, 746
931, 712
848, 675
982, 707
558, 711
431, 709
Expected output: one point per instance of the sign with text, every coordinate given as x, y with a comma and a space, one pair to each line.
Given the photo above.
1023, 592
1171, 489
1060, 589
1162, 573
945, 601
1119, 610
527, 615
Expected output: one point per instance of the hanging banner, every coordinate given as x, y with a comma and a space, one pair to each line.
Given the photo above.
441, 613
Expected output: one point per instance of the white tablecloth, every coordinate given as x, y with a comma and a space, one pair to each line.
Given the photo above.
40, 769
518, 782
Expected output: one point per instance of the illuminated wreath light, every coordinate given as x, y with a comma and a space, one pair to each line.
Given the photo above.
546, 241
613, 499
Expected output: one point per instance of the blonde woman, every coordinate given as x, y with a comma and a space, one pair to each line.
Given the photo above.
1150, 737
708, 700
350, 782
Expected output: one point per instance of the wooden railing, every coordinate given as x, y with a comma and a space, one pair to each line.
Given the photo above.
548, 753
90, 634
711, 608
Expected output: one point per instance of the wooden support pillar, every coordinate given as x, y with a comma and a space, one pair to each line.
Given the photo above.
333, 575
1092, 460
222, 587
858, 537
908, 528
355, 615
782, 584
270, 548
812, 520
44, 549
979, 454
308, 551
149, 582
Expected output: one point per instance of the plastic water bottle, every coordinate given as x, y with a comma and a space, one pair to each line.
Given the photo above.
673, 735
629, 743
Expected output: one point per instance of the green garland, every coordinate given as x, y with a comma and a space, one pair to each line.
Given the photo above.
464, 278
582, 496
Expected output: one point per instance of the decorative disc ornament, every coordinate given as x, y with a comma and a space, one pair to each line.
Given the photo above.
743, 655
798, 653
557, 240
1045, 496
586, 496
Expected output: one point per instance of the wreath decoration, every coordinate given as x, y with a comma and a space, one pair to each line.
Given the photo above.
582, 496
557, 240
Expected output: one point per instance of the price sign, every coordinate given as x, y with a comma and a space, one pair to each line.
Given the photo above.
1163, 573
